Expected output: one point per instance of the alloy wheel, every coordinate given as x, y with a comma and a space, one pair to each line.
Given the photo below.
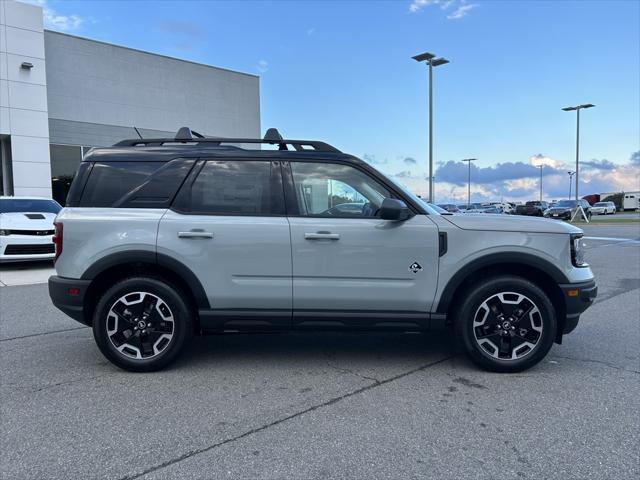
507, 326
140, 325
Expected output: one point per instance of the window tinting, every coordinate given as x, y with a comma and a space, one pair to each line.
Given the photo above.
334, 190
232, 188
158, 189
109, 182
13, 205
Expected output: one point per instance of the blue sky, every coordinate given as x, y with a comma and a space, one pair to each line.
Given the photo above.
342, 72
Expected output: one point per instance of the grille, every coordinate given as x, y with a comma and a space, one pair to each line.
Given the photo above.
29, 249
32, 232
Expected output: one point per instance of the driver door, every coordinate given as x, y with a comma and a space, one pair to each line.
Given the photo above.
351, 268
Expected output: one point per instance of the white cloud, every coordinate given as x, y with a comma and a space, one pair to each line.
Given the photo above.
461, 11
417, 5
262, 66
540, 159
461, 7
55, 21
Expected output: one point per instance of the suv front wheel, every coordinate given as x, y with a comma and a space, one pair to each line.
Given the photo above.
141, 323
506, 324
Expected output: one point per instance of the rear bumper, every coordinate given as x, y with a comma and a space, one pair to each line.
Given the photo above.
578, 297
67, 294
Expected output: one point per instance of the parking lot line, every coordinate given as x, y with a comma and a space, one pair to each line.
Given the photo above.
613, 239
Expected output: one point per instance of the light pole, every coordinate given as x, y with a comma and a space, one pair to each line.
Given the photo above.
571, 174
540, 167
432, 61
577, 108
469, 160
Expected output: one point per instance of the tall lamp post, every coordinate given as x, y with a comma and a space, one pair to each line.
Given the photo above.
571, 174
469, 160
432, 61
540, 167
577, 108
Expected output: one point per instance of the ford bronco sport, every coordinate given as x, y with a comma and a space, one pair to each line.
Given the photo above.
165, 238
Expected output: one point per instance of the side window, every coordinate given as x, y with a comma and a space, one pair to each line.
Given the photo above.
233, 188
109, 181
334, 190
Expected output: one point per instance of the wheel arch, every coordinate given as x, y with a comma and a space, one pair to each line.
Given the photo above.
543, 273
104, 272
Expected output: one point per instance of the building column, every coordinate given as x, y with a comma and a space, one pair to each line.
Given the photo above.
23, 98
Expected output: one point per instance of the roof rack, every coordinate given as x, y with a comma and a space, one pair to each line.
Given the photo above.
187, 136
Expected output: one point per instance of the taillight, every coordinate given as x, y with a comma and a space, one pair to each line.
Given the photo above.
57, 238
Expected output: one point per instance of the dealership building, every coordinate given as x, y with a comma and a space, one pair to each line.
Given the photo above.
61, 95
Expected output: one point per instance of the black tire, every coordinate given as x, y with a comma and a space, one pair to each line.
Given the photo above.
479, 341
173, 317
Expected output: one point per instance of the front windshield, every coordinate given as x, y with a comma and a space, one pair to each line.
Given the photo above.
566, 203
601, 204
13, 205
428, 206
438, 209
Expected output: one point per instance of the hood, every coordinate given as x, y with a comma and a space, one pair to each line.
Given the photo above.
27, 221
510, 223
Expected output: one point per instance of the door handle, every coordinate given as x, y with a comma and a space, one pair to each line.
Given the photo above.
322, 236
195, 234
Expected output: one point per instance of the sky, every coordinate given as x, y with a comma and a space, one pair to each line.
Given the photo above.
341, 71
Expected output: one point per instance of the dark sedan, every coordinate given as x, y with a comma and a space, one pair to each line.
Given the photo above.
564, 209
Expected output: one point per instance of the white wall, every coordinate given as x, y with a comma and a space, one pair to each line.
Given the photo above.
23, 97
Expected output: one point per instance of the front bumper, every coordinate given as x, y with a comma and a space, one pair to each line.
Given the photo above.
578, 297
19, 248
564, 215
68, 295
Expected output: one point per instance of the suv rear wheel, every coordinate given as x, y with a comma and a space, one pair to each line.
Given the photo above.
141, 323
506, 324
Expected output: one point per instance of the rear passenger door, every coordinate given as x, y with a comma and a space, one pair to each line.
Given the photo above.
228, 225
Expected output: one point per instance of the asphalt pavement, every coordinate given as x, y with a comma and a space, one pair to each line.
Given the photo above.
327, 405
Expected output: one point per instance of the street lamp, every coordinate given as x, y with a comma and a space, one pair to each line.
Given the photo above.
540, 167
432, 61
571, 174
577, 108
469, 160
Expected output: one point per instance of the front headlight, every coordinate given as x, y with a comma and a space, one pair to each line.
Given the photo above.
4, 233
578, 251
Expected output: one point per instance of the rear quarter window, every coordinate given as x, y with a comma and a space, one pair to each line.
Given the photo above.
134, 184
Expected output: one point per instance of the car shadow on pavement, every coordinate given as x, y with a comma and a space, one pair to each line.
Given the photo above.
307, 348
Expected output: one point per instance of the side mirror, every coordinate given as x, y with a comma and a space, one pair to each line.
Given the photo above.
394, 209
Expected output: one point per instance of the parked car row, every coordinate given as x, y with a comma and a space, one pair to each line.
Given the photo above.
493, 207
562, 210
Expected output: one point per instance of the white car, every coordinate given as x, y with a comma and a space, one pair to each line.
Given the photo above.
504, 207
26, 228
603, 208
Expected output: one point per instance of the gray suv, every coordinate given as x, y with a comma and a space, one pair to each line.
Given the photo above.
162, 239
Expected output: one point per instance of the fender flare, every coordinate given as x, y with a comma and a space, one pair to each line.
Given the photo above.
497, 259
130, 257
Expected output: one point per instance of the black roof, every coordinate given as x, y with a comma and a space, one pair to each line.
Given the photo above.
189, 144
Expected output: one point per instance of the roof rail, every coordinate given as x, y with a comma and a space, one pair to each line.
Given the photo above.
187, 136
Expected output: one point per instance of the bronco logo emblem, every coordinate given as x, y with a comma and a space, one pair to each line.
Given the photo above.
415, 267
